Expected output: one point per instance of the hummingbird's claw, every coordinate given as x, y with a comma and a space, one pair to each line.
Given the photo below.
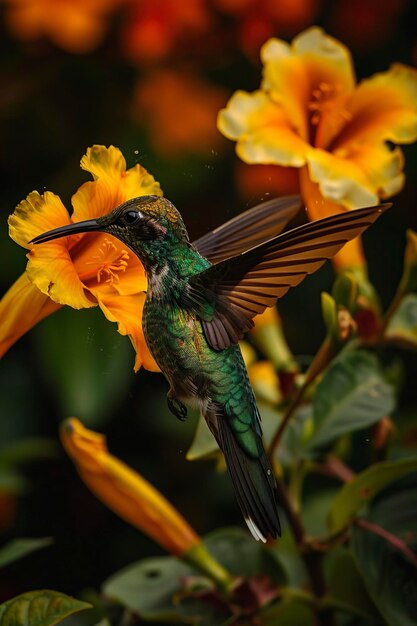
177, 408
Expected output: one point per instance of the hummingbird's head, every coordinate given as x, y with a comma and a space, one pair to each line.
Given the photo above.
147, 224
144, 219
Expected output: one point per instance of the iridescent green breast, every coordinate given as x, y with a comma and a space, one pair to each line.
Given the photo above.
177, 342
175, 339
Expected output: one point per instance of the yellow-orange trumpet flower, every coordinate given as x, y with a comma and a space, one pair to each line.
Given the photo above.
81, 270
309, 114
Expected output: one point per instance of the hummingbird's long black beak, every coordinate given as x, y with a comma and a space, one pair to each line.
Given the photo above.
87, 226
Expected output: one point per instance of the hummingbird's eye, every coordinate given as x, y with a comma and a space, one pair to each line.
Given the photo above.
130, 217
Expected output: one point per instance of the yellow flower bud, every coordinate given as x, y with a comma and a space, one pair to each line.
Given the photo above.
124, 491
136, 501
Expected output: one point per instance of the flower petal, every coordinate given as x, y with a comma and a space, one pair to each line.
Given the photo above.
51, 269
124, 491
383, 107
103, 162
105, 265
112, 183
293, 72
35, 215
127, 312
133, 280
50, 266
341, 180
261, 129
21, 308
382, 166
318, 207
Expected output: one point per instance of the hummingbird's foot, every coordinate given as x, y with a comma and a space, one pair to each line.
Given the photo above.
176, 407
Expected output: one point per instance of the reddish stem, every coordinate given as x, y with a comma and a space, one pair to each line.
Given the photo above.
396, 542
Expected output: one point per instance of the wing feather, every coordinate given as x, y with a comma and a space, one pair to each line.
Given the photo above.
244, 285
248, 229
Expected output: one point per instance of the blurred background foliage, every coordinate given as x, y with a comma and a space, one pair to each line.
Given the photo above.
149, 77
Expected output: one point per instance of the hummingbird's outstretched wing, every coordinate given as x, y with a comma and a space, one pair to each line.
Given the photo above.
228, 295
248, 229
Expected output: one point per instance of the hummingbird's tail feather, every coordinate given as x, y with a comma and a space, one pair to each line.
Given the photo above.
254, 484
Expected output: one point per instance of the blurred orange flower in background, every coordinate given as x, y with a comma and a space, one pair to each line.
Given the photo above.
310, 115
77, 26
366, 23
256, 181
180, 111
84, 270
154, 27
259, 19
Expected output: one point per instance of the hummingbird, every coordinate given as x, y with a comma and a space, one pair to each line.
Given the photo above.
201, 299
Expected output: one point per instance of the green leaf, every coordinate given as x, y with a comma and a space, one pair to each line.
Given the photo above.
28, 450
363, 488
315, 511
152, 588
329, 311
345, 589
366, 292
102, 613
236, 550
352, 394
11, 481
86, 363
345, 290
204, 444
292, 611
287, 554
289, 451
402, 328
149, 588
19, 548
390, 576
39, 608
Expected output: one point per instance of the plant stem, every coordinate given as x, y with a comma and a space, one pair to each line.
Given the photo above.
395, 303
396, 542
333, 466
286, 418
199, 557
321, 360
311, 557
292, 516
